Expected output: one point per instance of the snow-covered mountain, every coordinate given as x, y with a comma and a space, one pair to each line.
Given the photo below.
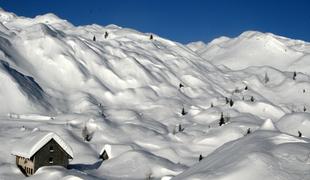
153, 104
253, 48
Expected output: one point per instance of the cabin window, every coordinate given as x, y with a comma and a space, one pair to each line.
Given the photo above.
51, 149
50, 160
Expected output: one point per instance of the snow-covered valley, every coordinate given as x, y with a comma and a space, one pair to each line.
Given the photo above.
154, 105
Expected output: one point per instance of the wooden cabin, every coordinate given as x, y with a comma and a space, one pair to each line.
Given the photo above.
39, 149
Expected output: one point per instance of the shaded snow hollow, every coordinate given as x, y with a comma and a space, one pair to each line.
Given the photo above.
153, 105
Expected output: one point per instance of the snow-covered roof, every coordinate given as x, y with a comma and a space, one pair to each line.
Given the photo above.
28, 146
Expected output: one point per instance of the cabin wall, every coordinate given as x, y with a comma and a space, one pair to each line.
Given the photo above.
26, 164
51, 154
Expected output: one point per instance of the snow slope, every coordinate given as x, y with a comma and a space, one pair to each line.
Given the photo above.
127, 92
262, 155
253, 48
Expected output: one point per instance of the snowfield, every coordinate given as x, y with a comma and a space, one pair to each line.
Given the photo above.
154, 105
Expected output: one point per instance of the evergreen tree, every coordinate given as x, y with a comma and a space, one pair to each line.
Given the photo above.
151, 37
231, 102
106, 34
299, 134
266, 78
181, 85
305, 109
226, 100
246, 88
94, 38
200, 157
180, 128
294, 75
248, 131
303, 91
183, 112
212, 105
222, 120
252, 99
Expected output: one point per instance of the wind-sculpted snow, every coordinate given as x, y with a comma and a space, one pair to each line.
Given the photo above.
154, 105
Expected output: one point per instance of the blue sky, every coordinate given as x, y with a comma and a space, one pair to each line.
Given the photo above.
180, 20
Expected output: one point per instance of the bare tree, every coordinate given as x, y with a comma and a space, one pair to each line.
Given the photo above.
87, 136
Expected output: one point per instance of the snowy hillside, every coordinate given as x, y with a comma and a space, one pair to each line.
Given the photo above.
256, 49
152, 104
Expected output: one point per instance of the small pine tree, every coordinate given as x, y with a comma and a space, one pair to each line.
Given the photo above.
266, 78
252, 99
248, 131
294, 75
231, 102
200, 157
303, 91
299, 134
246, 88
226, 100
151, 37
94, 38
212, 105
181, 85
183, 112
222, 120
106, 34
305, 109
242, 98
180, 128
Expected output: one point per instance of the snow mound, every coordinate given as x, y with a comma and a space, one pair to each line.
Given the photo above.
261, 155
292, 123
253, 48
268, 125
115, 150
138, 165
194, 46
